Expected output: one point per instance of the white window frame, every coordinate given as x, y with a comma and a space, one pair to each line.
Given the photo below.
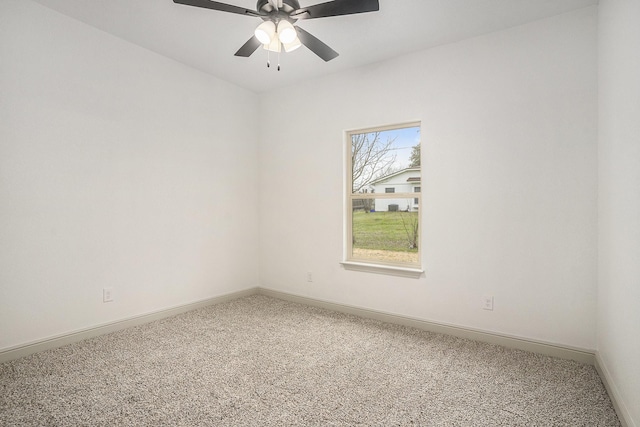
367, 265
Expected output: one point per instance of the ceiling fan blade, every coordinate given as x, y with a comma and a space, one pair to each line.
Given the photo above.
249, 47
316, 46
223, 7
336, 8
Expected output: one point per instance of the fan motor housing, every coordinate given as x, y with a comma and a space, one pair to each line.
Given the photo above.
288, 6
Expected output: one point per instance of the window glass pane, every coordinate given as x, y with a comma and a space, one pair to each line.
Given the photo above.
387, 235
378, 157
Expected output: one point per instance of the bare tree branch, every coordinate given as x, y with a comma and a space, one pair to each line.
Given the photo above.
410, 225
371, 158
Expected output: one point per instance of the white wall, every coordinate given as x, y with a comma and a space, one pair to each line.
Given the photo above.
509, 181
119, 168
619, 201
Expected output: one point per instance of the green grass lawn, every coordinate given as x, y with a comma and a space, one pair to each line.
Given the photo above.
382, 230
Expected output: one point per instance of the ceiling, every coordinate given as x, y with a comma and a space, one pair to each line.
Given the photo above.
207, 39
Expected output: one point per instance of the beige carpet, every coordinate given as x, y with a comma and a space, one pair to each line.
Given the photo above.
259, 361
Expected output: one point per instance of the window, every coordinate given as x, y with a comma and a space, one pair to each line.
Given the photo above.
382, 222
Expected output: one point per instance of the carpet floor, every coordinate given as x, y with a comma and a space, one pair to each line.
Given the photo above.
259, 361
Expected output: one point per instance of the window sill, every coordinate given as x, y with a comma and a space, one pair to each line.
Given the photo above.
413, 273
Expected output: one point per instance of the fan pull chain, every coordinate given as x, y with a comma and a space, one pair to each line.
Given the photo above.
268, 61
279, 58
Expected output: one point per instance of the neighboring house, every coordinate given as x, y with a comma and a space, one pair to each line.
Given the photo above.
404, 181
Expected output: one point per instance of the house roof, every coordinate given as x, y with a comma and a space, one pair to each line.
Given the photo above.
391, 175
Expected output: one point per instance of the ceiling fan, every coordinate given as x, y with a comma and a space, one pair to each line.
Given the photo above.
277, 31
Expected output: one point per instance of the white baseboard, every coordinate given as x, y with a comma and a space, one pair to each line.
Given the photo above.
614, 393
83, 334
579, 355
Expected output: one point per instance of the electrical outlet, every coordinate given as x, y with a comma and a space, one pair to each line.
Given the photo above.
309, 276
487, 302
107, 294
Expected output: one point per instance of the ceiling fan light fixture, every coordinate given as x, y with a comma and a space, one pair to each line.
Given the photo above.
265, 32
286, 32
278, 19
290, 47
